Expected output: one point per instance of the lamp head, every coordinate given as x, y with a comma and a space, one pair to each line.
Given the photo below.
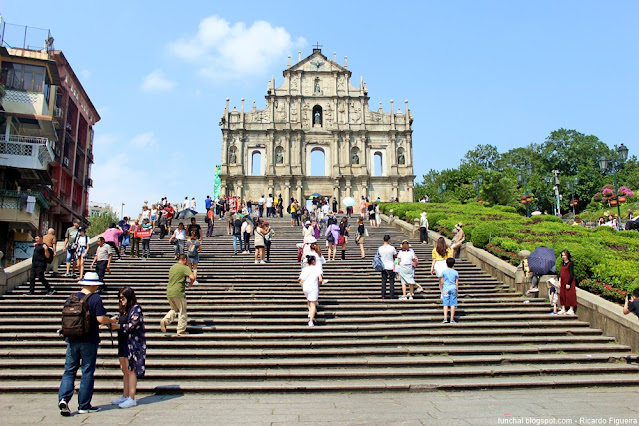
623, 152
480, 179
603, 164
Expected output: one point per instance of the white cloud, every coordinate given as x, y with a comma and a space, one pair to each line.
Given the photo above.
156, 81
143, 140
224, 51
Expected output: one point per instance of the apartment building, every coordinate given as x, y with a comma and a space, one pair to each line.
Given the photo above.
46, 142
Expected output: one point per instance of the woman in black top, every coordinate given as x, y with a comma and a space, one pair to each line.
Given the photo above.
343, 232
361, 235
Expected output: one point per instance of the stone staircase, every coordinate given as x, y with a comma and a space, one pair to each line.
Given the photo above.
248, 330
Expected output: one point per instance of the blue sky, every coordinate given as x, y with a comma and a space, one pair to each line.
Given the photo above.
504, 73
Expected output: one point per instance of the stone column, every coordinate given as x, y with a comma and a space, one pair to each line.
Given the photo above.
287, 194
410, 186
299, 192
239, 189
395, 192
270, 186
349, 189
223, 188
336, 193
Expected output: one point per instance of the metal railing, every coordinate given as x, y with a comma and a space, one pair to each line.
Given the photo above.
10, 193
16, 36
24, 139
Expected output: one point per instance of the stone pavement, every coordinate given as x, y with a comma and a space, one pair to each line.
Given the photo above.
569, 406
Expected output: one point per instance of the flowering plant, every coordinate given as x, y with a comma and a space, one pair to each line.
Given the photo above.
626, 191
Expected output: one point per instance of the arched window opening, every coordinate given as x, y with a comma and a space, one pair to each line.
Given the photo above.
401, 157
256, 164
377, 166
355, 154
317, 116
318, 162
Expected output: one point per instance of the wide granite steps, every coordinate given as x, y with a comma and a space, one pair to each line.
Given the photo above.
248, 332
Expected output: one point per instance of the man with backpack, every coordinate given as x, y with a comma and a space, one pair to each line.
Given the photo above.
42, 256
82, 313
71, 246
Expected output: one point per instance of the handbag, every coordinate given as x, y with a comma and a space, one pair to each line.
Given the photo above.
126, 240
330, 238
192, 251
378, 265
173, 240
415, 262
341, 240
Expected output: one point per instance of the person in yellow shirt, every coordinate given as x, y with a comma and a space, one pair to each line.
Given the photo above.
441, 252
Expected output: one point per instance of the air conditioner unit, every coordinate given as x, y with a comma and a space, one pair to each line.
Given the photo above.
57, 152
58, 112
65, 161
88, 182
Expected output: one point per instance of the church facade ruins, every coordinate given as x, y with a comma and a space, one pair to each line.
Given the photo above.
315, 111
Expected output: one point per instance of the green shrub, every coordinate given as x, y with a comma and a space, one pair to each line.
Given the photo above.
483, 233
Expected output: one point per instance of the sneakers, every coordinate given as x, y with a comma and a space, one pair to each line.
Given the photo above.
562, 312
256, 262
64, 408
120, 400
262, 261
324, 282
553, 313
570, 312
452, 321
419, 290
402, 298
67, 275
50, 292
89, 410
410, 297
445, 321
128, 403
163, 325
310, 324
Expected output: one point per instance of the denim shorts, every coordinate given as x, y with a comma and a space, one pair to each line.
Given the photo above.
449, 297
71, 257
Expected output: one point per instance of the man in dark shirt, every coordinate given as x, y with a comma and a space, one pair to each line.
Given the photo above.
194, 227
84, 351
41, 256
632, 305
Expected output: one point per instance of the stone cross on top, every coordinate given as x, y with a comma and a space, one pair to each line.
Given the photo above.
317, 47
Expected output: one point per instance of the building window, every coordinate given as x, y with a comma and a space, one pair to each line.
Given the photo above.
25, 77
318, 162
377, 164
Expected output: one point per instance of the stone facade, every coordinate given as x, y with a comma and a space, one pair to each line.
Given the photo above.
317, 109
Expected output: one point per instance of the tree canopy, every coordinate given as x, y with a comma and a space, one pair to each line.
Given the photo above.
574, 154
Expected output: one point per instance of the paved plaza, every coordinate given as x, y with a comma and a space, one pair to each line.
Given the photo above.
532, 406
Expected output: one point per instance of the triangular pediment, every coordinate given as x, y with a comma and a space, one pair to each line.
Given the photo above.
317, 62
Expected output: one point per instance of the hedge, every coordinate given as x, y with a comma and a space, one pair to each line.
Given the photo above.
601, 255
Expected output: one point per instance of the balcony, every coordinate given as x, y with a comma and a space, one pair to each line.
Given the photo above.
58, 118
25, 102
16, 209
25, 152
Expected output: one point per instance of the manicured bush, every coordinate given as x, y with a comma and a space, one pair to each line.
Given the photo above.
601, 254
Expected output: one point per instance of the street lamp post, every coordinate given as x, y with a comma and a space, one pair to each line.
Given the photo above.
441, 190
122, 211
522, 178
571, 187
477, 184
611, 167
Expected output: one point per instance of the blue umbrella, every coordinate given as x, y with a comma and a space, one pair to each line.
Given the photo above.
542, 261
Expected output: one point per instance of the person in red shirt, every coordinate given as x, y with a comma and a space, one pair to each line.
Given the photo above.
169, 212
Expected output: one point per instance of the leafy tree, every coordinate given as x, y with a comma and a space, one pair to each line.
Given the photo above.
484, 156
100, 222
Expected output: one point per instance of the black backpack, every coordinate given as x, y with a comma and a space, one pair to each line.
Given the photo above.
51, 255
76, 318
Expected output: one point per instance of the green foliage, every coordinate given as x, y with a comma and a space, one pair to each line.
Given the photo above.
100, 222
602, 253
